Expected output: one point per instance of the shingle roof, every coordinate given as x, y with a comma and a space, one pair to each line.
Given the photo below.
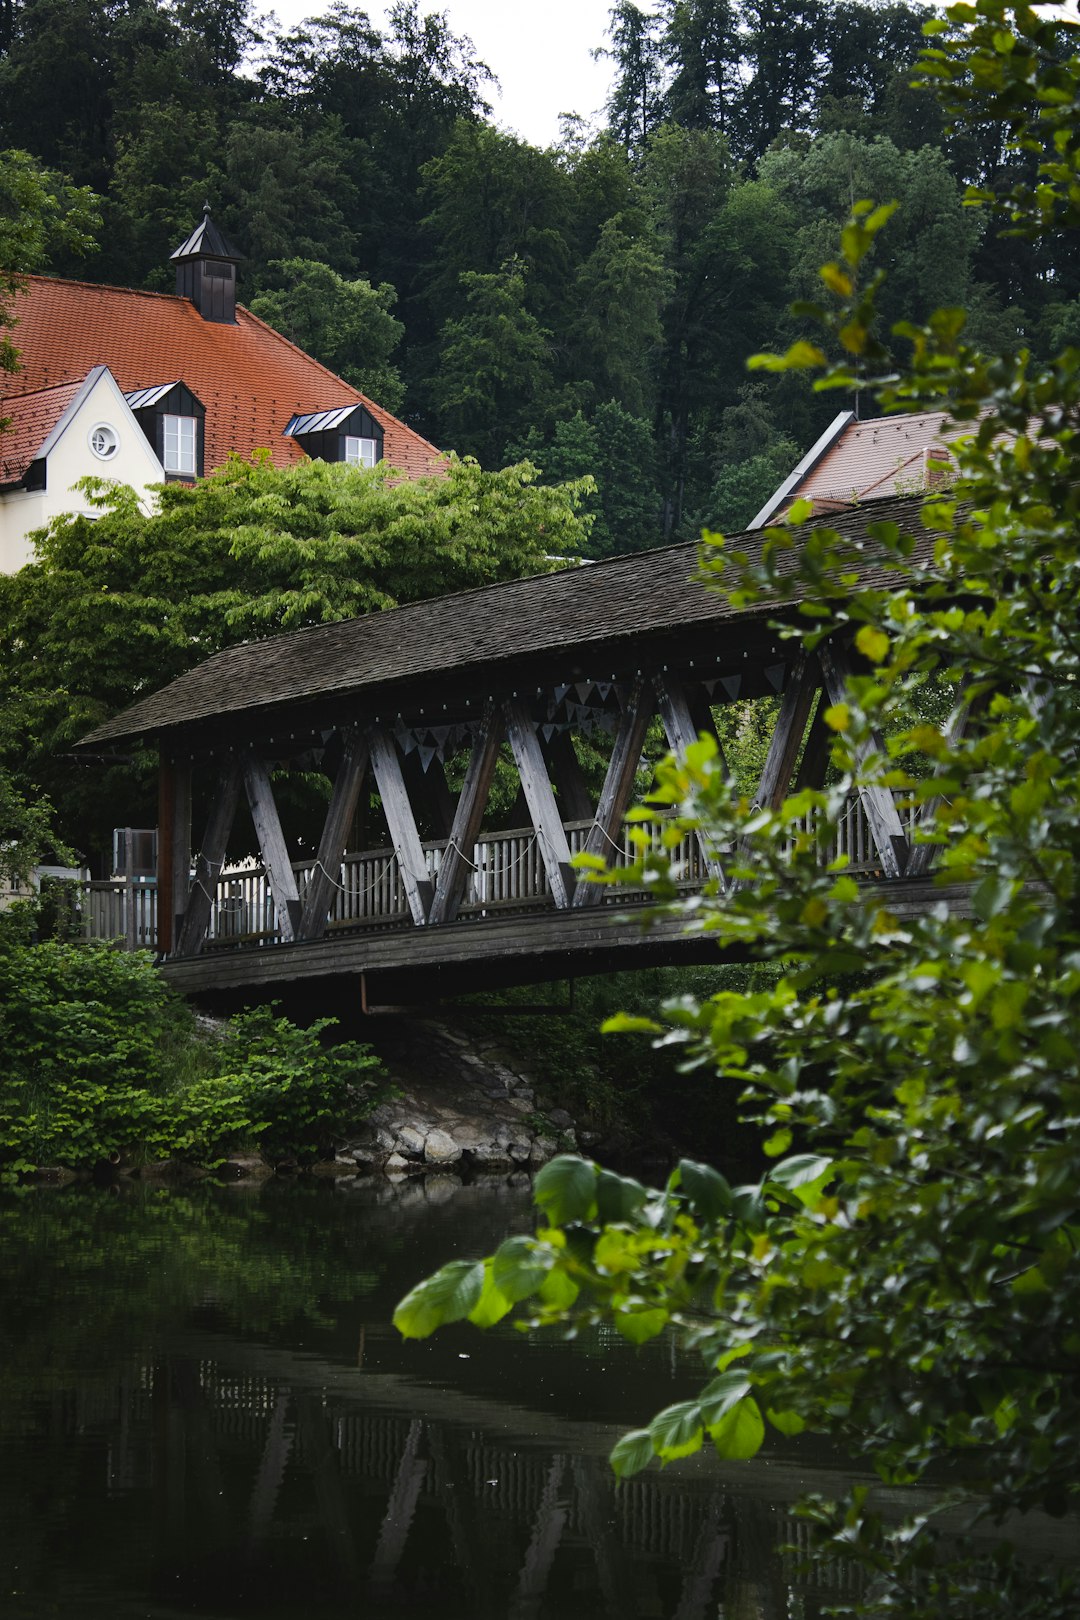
250, 378
32, 418
599, 608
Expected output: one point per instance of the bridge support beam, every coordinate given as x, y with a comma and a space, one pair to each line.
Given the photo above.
412, 862
681, 728
344, 799
272, 846
472, 802
174, 850
543, 811
618, 783
883, 818
210, 861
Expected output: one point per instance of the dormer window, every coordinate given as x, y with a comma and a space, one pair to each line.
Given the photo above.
361, 452
180, 445
174, 421
346, 433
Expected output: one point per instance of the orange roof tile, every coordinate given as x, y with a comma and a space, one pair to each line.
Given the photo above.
250, 378
31, 418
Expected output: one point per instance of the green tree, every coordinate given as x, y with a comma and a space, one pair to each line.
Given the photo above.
616, 452
120, 603
41, 214
495, 366
635, 107
345, 324
907, 1280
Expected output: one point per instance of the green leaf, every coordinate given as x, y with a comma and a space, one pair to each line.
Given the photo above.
632, 1453
519, 1267
448, 1296
639, 1326
707, 1192
677, 1431
492, 1305
740, 1432
618, 1198
789, 1423
565, 1189
718, 1398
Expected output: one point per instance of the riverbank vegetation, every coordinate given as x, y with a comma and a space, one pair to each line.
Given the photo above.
105, 1065
905, 1279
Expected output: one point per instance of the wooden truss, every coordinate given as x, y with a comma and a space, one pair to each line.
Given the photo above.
553, 789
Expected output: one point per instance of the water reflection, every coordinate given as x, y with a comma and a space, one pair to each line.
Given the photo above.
203, 1412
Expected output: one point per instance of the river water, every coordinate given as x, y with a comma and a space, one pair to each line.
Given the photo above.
205, 1411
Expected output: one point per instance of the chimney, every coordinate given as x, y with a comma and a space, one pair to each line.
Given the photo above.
206, 271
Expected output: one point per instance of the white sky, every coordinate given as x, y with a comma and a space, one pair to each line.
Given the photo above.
537, 49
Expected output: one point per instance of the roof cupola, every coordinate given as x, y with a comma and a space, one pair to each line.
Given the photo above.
206, 271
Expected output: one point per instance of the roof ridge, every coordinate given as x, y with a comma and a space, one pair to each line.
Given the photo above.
103, 286
50, 388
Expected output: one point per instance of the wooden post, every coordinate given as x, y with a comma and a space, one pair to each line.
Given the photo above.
339, 817
211, 857
543, 811
173, 850
815, 756
883, 818
412, 862
681, 732
272, 846
472, 801
618, 783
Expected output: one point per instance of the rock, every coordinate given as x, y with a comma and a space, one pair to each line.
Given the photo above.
334, 1167
560, 1119
410, 1142
364, 1157
589, 1139
541, 1150
53, 1175
440, 1148
519, 1149
520, 1105
491, 1156
395, 1165
175, 1171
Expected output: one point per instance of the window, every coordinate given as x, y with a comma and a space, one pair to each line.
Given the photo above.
104, 441
180, 445
361, 452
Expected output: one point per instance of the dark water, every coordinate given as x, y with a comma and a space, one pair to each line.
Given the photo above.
204, 1411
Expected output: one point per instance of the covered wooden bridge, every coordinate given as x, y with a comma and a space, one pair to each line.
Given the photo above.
388, 701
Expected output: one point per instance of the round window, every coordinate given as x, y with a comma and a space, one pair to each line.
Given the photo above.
104, 441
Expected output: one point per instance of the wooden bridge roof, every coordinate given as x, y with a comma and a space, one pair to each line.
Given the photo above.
600, 610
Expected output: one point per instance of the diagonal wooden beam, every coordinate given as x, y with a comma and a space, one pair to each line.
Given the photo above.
883, 818
618, 783
681, 731
800, 690
272, 846
210, 861
344, 799
923, 856
815, 755
412, 862
472, 802
565, 771
543, 811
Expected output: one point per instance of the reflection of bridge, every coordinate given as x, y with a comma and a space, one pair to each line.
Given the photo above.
559, 678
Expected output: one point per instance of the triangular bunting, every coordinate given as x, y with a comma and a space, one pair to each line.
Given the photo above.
774, 674
732, 685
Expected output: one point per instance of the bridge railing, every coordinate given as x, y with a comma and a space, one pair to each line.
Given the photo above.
508, 875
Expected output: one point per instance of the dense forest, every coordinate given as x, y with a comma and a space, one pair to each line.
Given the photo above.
590, 306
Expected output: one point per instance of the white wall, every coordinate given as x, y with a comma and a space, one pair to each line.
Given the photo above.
70, 459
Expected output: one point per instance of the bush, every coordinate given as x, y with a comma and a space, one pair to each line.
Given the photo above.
102, 1060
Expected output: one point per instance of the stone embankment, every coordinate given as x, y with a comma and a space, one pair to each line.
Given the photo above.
460, 1108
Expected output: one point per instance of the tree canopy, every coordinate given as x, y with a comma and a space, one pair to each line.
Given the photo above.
904, 1277
119, 603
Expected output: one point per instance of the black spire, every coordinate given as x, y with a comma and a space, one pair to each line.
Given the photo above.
206, 271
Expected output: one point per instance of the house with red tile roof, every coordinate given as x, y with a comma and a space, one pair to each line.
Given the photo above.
854, 462
144, 387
